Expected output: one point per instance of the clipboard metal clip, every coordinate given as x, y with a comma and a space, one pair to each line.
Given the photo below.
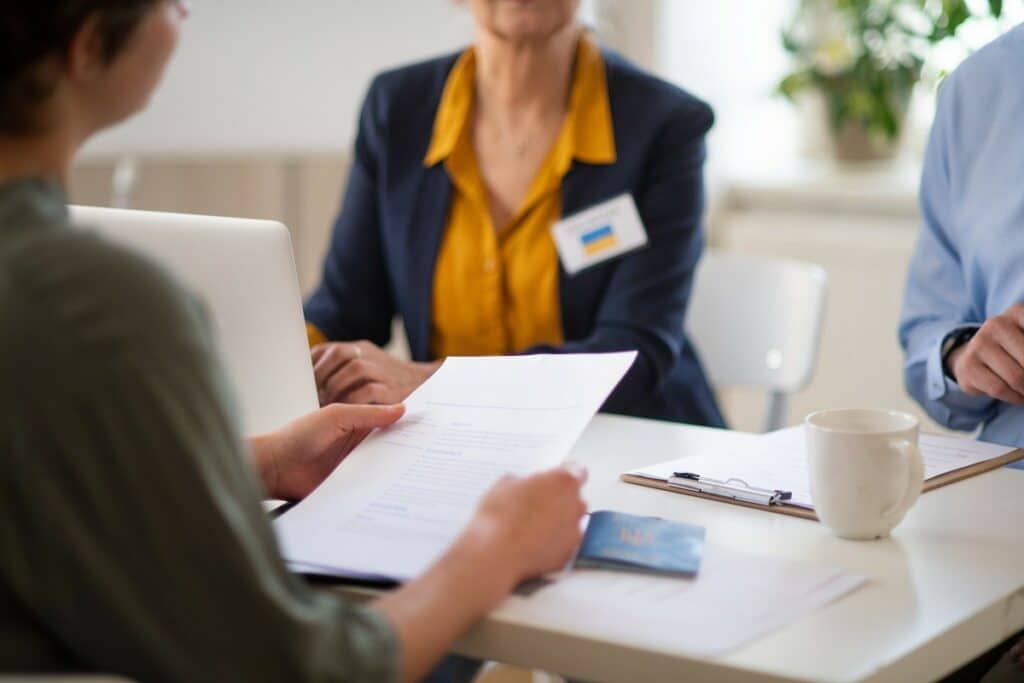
736, 489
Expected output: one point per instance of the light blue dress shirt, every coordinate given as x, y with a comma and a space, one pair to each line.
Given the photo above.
968, 264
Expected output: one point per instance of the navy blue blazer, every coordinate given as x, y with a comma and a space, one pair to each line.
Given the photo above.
386, 238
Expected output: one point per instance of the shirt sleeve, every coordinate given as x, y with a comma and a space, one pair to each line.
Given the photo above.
354, 299
314, 336
132, 530
936, 301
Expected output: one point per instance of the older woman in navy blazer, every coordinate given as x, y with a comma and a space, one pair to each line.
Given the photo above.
382, 257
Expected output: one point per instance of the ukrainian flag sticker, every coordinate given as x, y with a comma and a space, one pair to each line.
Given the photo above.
602, 232
599, 239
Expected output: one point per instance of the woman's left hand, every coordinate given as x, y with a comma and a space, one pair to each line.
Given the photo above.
293, 460
1017, 654
362, 372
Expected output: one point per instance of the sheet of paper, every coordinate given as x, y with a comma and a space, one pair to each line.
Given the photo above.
735, 599
769, 463
942, 454
394, 505
778, 460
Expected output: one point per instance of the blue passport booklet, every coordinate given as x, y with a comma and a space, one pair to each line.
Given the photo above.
615, 540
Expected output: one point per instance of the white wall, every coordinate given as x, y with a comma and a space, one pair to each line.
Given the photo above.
264, 75
728, 52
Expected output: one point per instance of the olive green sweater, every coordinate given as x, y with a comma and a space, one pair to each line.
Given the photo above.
132, 539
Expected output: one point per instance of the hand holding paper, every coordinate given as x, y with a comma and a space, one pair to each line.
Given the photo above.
403, 496
295, 459
532, 524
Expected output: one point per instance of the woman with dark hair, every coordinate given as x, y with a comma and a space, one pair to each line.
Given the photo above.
132, 539
463, 216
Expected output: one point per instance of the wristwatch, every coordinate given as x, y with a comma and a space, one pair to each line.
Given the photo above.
953, 341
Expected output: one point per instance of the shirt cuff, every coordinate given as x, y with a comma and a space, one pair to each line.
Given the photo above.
314, 336
379, 647
942, 388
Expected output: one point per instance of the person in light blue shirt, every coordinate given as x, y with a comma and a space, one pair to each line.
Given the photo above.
962, 325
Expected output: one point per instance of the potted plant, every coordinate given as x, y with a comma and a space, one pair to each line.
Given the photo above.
864, 57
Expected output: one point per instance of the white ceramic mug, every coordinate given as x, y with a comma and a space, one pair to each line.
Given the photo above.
865, 469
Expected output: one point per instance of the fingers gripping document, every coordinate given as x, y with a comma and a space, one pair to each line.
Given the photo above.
394, 505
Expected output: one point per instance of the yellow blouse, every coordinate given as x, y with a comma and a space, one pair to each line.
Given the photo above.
497, 292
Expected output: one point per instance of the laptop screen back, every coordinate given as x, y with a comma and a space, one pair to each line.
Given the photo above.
245, 272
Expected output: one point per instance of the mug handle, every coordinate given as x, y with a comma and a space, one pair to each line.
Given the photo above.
915, 481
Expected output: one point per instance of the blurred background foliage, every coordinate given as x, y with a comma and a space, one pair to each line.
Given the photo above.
865, 57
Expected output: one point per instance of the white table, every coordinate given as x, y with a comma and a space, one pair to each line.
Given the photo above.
946, 587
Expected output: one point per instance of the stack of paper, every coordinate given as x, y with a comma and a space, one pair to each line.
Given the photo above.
394, 505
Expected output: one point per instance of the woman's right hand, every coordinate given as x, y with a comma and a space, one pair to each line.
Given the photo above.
527, 526
523, 527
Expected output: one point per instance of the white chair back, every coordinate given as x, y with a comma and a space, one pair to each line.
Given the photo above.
756, 322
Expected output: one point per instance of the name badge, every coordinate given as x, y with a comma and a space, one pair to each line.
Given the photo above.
599, 233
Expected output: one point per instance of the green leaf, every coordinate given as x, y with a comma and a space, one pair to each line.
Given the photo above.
861, 103
996, 7
794, 83
789, 43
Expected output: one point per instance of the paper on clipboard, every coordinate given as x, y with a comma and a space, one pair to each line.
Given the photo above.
778, 460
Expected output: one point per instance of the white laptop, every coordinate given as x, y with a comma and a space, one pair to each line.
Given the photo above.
245, 271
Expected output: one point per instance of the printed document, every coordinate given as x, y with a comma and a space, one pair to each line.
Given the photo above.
394, 505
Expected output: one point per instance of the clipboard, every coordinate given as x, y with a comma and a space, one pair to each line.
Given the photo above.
784, 508
779, 508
